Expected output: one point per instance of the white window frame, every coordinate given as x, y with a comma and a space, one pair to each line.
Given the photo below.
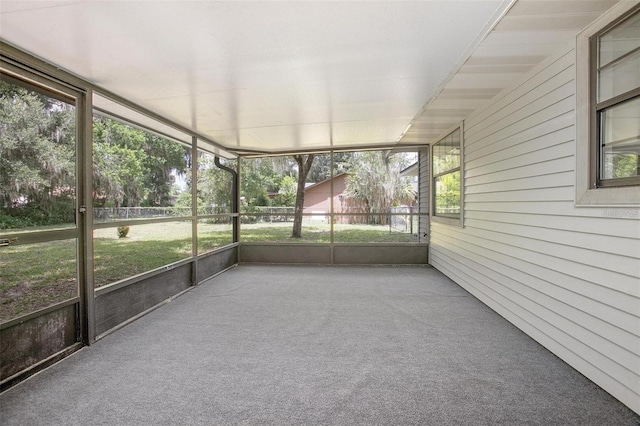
459, 221
587, 192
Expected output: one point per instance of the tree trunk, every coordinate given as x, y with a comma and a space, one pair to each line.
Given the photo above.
304, 165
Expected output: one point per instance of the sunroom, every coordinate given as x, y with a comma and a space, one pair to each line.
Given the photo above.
151, 150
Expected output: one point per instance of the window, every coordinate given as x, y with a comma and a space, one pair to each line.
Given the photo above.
446, 166
615, 92
607, 109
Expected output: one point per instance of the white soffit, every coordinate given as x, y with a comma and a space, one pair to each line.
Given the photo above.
530, 31
275, 76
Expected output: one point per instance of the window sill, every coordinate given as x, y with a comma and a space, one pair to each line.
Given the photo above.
447, 220
610, 197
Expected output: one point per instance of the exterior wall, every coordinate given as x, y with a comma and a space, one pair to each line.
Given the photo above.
567, 276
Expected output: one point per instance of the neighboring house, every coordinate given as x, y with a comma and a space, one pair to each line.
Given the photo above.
317, 197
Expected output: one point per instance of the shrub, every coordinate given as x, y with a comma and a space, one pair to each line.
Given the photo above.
9, 222
123, 231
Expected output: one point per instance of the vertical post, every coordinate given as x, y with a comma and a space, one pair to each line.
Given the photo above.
194, 210
237, 223
84, 159
425, 194
331, 206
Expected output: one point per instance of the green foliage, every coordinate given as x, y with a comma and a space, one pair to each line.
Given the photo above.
262, 199
123, 231
260, 176
447, 194
34, 276
287, 194
215, 186
162, 158
10, 222
132, 167
184, 201
37, 157
374, 179
321, 169
622, 165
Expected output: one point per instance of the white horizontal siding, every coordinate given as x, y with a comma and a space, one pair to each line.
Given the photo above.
550, 161
561, 208
599, 367
562, 316
567, 276
518, 143
597, 226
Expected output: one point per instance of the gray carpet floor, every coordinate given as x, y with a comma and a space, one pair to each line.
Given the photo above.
286, 345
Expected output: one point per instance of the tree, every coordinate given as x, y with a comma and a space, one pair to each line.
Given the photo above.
117, 163
215, 186
447, 193
287, 193
622, 165
321, 169
133, 167
374, 180
37, 157
304, 166
259, 178
161, 161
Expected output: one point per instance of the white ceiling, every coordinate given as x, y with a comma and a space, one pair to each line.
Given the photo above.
300, 75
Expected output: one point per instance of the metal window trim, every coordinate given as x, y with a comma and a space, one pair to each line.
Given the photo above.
336, 244
39, 312
27, 80
134, 222
126, 121
448, 172
24, 66
333, 214
615, 22
618, 59
217, 216
41, 236
597, 108
216, 250
619, 99
108, 288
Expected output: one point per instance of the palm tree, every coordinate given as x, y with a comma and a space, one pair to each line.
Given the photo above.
374, 181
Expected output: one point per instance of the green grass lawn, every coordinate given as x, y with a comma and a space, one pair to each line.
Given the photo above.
35, 276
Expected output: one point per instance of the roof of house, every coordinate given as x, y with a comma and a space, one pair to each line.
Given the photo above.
313, 185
